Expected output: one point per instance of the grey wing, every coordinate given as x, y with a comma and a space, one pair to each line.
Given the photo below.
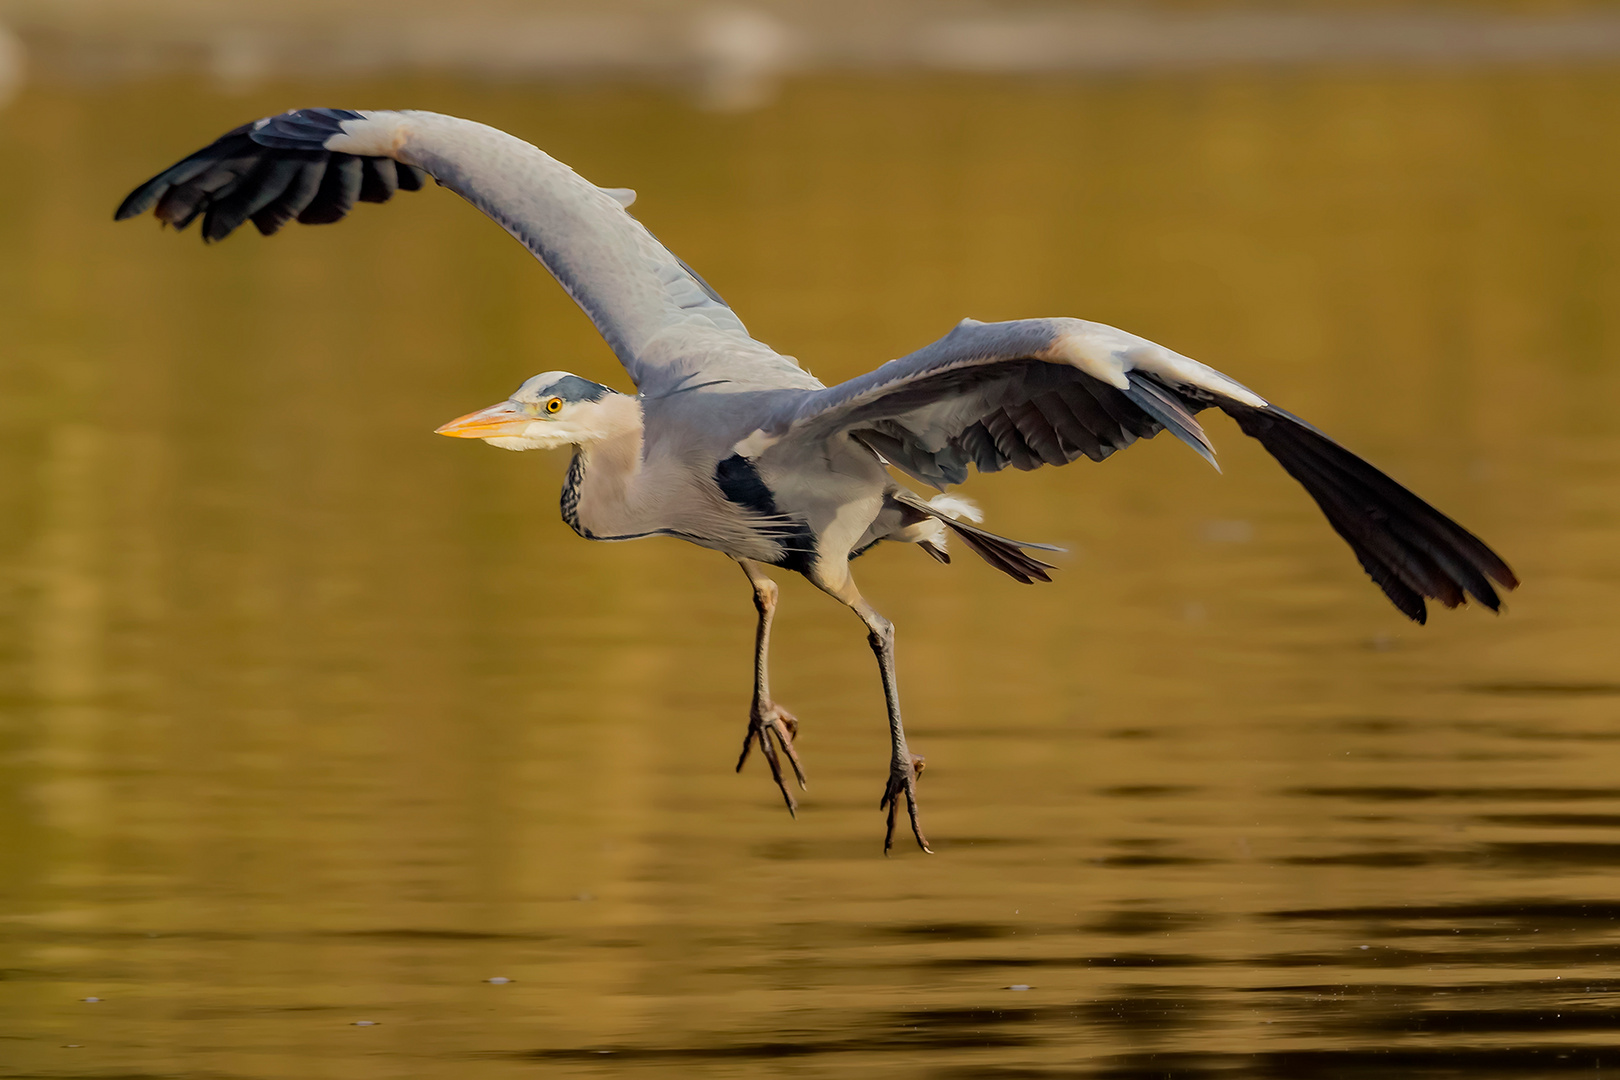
1048, 391
665, 324
1013, 393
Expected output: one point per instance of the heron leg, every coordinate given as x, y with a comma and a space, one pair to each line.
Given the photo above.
904, 766
767, 720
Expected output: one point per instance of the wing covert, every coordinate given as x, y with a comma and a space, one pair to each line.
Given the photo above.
1021, 394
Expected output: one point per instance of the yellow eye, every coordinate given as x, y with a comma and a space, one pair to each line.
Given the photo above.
554, 405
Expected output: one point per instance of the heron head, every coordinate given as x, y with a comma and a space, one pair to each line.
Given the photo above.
551, 410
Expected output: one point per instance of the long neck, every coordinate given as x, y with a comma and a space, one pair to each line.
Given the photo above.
600, 498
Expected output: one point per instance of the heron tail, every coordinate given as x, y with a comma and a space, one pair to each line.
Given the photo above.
1004, 554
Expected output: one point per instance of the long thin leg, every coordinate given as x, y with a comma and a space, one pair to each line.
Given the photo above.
768, 720
903, 765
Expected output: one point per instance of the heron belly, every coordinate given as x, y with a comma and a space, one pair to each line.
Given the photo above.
836, 489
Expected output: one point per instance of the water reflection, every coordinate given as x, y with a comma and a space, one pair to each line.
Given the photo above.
311, 718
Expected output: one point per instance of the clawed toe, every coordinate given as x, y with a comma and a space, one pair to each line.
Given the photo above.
903, 781
774, 727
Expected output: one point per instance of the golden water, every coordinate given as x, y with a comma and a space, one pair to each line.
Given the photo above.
308, 717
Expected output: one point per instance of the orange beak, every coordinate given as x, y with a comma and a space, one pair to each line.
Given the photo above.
506, 419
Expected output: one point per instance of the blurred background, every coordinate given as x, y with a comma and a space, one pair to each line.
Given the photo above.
736, 54
313, 723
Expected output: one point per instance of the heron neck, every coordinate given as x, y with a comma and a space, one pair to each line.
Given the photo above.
600, 497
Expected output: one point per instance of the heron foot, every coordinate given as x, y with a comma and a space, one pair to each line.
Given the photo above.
903, 781
772, 722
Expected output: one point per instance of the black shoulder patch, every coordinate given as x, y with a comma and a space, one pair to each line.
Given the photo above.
739, 482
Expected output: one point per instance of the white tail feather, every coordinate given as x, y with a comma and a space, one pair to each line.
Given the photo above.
957, 506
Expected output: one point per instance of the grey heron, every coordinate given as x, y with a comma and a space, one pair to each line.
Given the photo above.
733, 446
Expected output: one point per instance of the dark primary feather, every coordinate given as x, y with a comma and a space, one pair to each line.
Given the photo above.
270, 172
262, 186
340, 187
379, 179
144, 197
410, 177
1410, 549
297, 196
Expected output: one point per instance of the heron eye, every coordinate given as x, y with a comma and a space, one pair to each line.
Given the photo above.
554, 405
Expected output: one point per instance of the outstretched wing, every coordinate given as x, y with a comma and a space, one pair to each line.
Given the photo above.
667, 326
1047, 391
1027, 393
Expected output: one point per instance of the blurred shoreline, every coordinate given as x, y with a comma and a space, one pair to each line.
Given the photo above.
732, 55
